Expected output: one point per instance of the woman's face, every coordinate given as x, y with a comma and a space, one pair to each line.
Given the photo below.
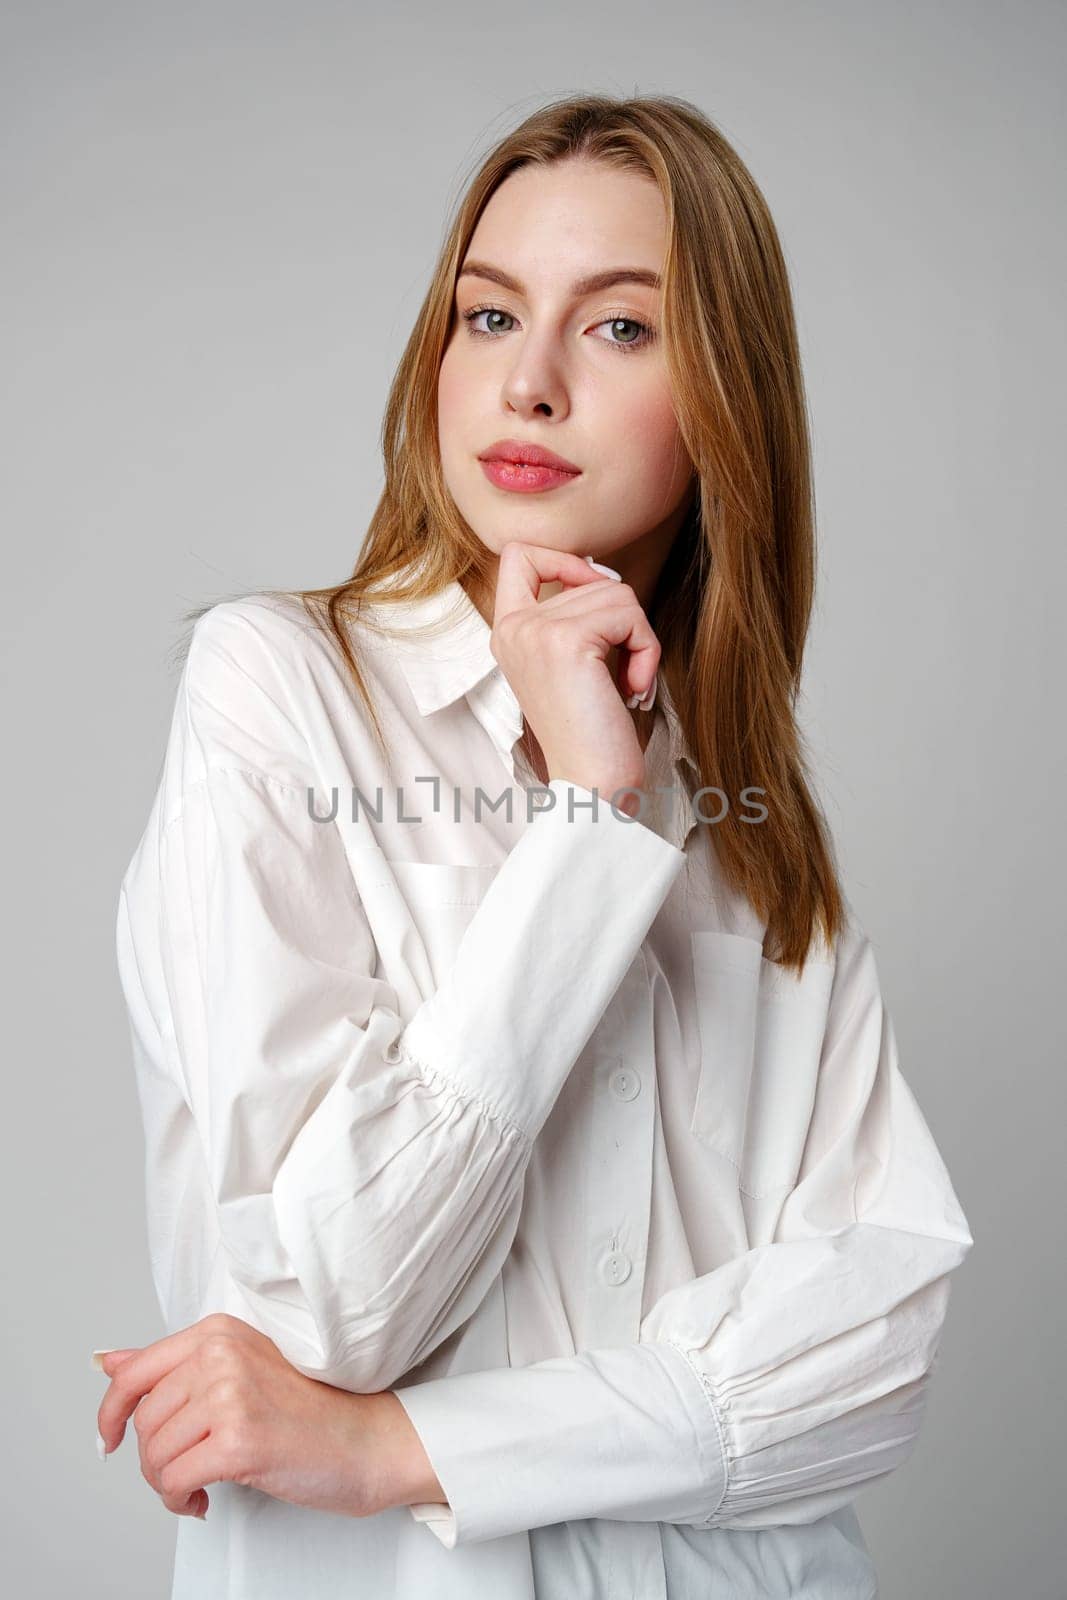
535, 356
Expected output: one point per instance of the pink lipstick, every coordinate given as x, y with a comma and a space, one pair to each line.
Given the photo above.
526, 468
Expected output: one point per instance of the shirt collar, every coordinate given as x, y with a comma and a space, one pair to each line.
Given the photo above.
452, 659
449, 659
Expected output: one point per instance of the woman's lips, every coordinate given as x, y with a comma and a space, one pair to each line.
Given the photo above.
523, 479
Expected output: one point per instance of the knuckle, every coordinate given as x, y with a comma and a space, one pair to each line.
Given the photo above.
218, 1322
221, 1351
227, 1392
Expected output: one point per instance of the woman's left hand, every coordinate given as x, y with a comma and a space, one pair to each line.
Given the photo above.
219, 1402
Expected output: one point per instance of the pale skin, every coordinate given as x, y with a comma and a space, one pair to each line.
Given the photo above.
537, 358
218, 1402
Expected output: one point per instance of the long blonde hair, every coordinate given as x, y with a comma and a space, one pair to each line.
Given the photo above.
733, 602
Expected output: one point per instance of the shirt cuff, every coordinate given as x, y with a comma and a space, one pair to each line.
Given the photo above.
630, 1434
535, 970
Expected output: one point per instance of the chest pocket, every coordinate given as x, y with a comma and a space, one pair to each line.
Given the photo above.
441, 898
761, 1034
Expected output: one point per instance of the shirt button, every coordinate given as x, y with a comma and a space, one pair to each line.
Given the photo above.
626, 1083
615, 1267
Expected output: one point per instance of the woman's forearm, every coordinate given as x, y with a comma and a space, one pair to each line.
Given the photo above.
250, 1417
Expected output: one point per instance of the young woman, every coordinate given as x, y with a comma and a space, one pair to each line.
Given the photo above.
536, 1204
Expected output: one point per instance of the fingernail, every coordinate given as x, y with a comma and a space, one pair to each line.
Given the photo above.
609, 572
101, 1447
635, 701
97, 1358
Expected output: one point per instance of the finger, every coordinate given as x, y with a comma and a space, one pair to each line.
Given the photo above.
195, 1506
136, 1376
612, 610
585, 604
186, 1505
186, 1427
133, 1376
106, 1360
627, 627
579, 600
598, 566
206, 1462
169, 1395
523, 567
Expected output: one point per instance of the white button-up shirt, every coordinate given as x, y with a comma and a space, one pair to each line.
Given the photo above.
455, 1085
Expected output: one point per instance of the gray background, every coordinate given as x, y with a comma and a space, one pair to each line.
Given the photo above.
220, 221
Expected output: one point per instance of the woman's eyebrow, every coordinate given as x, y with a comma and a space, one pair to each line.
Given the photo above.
588, 285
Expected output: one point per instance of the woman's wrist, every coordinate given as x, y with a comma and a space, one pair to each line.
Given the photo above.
407, 1476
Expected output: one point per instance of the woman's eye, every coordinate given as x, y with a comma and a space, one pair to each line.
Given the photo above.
484, 311
627, 333
642, 335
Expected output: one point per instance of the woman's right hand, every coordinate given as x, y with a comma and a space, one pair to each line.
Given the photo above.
554, 655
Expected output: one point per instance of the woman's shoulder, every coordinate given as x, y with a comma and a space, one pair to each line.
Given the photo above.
254, 680
258, 622
272, 636
266, 683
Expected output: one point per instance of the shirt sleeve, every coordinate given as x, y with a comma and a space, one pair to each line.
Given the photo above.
366, 1176
767, 1391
